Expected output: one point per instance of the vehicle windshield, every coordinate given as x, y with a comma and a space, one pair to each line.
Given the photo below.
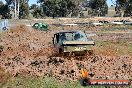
71, 36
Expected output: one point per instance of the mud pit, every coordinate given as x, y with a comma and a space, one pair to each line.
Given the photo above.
27, 52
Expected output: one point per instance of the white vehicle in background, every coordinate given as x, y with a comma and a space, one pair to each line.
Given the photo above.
127, 22
97, 24
117, 22
4, 25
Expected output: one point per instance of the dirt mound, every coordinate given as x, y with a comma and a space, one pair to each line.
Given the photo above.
70, 68
26, 42
27, 51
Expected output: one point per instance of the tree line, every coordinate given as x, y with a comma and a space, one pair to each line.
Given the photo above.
61, 8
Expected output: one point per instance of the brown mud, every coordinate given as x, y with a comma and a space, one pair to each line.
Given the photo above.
30, 52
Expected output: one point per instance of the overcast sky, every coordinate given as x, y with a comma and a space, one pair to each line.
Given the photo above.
35, 2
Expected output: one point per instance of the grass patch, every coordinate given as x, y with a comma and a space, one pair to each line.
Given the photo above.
113, 48
116, 28
32, 82
4, 77
43, 82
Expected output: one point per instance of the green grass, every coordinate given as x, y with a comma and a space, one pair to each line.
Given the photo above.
31, 82
43, 82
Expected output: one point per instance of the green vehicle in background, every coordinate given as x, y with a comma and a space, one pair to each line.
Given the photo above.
41, 26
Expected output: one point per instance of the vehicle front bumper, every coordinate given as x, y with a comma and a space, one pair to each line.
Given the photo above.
78, 48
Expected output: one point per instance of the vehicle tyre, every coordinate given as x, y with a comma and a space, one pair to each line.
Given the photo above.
4, 29
60, 51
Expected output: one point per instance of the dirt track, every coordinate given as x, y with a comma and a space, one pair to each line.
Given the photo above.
25, 51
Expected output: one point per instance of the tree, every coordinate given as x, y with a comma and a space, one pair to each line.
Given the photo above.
36, 11
24, 10
20, 7
123, 7
100, 7
4, 11
59, 8
128, 10
96, 7
33, 6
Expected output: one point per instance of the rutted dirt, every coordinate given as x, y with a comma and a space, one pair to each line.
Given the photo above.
25, 51
65, 68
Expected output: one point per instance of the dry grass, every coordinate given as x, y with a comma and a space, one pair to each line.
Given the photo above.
113, 48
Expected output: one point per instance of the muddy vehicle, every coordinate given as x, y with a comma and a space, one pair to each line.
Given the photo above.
73, 42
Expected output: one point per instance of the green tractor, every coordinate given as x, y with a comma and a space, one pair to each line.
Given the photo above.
40, 26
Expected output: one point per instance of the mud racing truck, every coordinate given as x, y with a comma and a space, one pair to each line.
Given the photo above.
76, 42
